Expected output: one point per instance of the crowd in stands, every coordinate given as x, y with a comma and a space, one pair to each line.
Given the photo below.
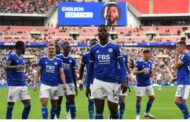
163, 60
24, 6
84, 34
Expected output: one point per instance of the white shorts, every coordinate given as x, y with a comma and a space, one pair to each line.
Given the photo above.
17, 93
91, 96
102, 90
183, 91
49, 92
123, 94
142, 91
70, 89
61, 91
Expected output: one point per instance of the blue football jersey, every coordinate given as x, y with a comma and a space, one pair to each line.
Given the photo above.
15, 77
143, 79
50, 71
69, 64
85, 60
184, 70
59, 56
105, 60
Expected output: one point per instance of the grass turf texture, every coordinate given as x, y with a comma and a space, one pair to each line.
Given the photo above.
163, 107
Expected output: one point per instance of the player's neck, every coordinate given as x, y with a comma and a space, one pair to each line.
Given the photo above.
183, 51
65, 54
18, 54
50, 57
103, 43
144, 59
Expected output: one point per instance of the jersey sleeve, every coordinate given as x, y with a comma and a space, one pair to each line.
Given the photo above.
137, 64
9, 57
118, 52
184, 58
74, 64
60, 64
92, 57
40, 62
84, 59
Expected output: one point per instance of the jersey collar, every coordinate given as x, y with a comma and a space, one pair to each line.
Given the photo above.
104, 45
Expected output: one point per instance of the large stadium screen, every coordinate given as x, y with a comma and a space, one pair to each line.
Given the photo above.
88, 14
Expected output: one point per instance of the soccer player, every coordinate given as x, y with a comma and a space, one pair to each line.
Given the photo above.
69, 65
123, 95
85, 61
49, 71
183, 80
17, 89
143, 72
103, 65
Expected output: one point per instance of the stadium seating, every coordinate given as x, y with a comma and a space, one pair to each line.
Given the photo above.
125, 34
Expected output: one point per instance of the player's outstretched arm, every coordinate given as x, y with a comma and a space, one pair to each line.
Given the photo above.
62, 75
36, 78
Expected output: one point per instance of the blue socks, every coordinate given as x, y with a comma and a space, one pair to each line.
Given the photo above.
91, 109
149, 104
184, 109
67, 106
138, 107
44, 111
53, 112
121, 110
9, 111
73, 110
58, 111
99, 116
26, 111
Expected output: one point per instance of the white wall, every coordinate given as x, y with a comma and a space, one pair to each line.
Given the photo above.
132, 20
52, 20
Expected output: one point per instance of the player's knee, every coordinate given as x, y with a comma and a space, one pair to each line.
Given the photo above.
177, 100
152, 98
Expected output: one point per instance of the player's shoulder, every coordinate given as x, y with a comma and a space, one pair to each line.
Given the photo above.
139, 61
113, 45
42, 58
11, 54
86, 54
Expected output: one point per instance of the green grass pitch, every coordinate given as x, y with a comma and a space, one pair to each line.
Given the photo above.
163, 107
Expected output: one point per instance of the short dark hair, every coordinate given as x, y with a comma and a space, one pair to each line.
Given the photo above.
19, 44
112, 4
102, 26
146, 51
182, 42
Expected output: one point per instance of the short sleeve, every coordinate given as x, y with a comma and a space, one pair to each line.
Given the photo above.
9, 57
74, 64
137, 64
84, 59
92, 57
40, 62
184, 58
118, 51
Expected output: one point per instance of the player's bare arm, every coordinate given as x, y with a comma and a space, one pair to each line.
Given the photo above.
81, 73
136, 72
37, 77
62, 75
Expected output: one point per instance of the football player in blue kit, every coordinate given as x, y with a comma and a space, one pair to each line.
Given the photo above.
17, 89
143, 72
85, 62
49, 71
183, 80
69, 65
103, 65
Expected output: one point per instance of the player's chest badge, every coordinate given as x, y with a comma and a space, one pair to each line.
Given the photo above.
110, 50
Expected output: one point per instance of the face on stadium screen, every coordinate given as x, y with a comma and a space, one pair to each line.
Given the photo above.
112, 14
